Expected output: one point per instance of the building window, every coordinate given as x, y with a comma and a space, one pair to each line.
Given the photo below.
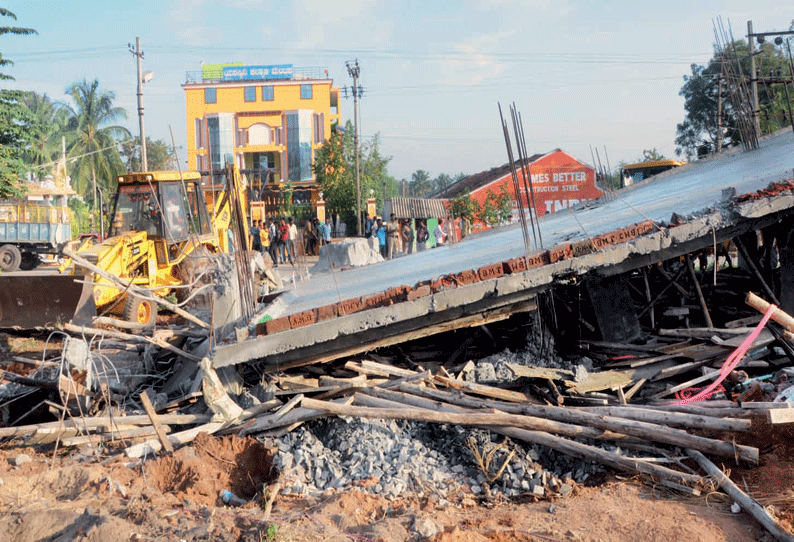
200, 134
210, 96
306, 92
267, 94
250, 94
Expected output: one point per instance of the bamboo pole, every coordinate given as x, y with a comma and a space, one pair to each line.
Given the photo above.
745, 501
592, 415
779, 316
751, 264
576, 449
698, 291
656, 433
104, 423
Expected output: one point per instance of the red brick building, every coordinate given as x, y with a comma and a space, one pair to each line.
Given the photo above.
558, 179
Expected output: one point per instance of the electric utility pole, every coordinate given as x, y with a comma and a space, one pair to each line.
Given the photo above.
354, 71
760, 37
139, 56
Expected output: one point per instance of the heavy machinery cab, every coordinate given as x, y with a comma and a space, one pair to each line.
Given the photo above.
160, 204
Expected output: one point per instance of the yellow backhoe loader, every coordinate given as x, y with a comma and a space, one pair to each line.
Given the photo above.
157, 221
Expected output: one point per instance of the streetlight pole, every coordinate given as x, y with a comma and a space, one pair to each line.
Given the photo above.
354, 71
139, 56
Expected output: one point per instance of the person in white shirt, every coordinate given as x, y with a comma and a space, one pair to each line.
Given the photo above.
292, 237
439, 233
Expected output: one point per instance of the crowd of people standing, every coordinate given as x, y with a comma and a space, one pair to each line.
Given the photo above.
281, 239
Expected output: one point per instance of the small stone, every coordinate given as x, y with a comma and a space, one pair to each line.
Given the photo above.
426, 528
538, 491
552, 509
565, 490
20, 459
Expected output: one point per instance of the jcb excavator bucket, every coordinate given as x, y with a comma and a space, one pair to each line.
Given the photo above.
38, 301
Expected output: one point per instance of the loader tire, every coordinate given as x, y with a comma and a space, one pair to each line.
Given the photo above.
140, 311
10, 258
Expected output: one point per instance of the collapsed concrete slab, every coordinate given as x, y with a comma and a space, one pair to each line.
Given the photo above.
490, 276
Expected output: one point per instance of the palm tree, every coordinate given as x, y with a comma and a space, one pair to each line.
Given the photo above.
91, 136
49, 125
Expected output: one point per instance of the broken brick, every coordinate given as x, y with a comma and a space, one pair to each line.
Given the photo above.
380, 299
305, 318
537, 260
419, 291
398, 293
560, 253
270, 327
326, 312
516, 265
466, 277
349, 306
492, 271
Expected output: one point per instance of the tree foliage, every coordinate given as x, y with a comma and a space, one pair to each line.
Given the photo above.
159, 155
11, 30
15, 121
91, 136
420, 185
497, 208
335, 170
649, 155
464, 205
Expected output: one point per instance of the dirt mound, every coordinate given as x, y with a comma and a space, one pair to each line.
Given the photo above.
200, 472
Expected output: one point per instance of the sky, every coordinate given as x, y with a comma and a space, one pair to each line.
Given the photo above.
581, 73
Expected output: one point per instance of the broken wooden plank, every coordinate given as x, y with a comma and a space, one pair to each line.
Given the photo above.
780, 415
602, 380
482, 389
531, 371
147, 406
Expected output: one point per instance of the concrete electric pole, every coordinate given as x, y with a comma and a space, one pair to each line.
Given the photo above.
139, 56
354, 71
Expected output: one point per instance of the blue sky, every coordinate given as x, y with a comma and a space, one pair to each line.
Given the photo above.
605, 74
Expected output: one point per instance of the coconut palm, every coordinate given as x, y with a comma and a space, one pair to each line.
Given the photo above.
49, 125
92, 136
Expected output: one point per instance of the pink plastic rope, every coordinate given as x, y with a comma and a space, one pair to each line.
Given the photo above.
732, 361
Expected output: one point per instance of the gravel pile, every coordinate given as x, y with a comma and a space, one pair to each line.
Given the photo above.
391, 457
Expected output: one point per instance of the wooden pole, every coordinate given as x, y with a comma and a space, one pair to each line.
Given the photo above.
751, 264
149, 408
698, 291
570, 447
745, 501
647, 431
779, 316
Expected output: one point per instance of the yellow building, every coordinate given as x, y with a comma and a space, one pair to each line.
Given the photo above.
269, 120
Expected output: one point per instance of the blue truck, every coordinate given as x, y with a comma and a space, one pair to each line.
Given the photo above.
28, 230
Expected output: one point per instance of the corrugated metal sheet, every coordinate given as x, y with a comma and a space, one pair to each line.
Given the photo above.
415, 208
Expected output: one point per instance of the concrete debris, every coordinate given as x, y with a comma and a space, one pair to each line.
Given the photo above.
347, 253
